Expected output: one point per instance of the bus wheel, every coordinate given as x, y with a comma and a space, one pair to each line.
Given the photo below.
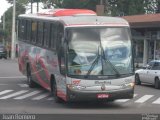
157, 83
137, 79
31, 83
54, 92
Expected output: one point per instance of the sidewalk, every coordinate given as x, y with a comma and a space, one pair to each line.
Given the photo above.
9, 59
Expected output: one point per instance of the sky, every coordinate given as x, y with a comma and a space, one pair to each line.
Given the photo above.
4, 5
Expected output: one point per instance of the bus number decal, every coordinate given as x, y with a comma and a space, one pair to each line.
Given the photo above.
76, 82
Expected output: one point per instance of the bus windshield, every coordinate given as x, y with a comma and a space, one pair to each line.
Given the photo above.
99, 51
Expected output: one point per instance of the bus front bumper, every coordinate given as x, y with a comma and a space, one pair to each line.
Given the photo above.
99, 95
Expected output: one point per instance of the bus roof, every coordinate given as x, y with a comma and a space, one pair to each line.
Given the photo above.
77, 17
67, 12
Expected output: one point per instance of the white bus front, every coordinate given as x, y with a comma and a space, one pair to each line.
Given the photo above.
99, 63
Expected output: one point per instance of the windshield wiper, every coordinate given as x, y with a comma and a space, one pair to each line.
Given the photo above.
94, 63
107, 61
101, 51
115, 70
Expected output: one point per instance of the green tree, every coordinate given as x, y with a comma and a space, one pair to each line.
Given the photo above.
84, 4
158, 6
25, 2
126, 7
22, 2
3, 33
113, 7
8, 17
153, 6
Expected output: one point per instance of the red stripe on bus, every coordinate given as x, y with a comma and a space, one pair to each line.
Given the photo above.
98, 24
41, 81
44, 68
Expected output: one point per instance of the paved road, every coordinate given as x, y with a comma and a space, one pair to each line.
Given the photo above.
17, 97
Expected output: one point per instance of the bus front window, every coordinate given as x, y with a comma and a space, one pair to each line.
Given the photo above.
117, 48
82, 50
99, 51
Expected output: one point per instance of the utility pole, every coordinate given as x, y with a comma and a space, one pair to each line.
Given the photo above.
31, 6
100, 8
37, 6
13, 30
4, 27
101, 2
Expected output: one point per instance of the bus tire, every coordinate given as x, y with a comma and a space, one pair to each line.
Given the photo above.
137, 80
30, 82
54, 92
157, 83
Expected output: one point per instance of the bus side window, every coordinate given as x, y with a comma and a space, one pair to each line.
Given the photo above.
34, 32
40, 34
28, 31
46, 34
25, 30
60, 37
53, 34
22, 30
19, 29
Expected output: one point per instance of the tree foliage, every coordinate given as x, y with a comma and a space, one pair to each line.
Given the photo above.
85, 4
114, 7
126, 7
8, 19
25, 2
153, 6
22, 2
3, 34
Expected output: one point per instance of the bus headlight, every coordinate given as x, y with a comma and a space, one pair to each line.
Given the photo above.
76, 87
128, 85
132, 84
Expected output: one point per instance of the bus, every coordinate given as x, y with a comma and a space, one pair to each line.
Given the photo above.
77, 55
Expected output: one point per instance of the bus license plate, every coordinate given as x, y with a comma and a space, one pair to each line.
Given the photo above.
99, 96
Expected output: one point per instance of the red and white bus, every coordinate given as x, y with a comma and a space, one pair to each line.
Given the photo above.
77, 55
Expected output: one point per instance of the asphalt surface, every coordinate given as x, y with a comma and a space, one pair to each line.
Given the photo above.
17, 98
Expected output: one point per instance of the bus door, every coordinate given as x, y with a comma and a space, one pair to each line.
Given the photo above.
61, 75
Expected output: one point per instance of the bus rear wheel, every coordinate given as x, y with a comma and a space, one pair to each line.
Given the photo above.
31, 83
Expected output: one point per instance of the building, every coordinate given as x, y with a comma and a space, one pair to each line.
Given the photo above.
146, 35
